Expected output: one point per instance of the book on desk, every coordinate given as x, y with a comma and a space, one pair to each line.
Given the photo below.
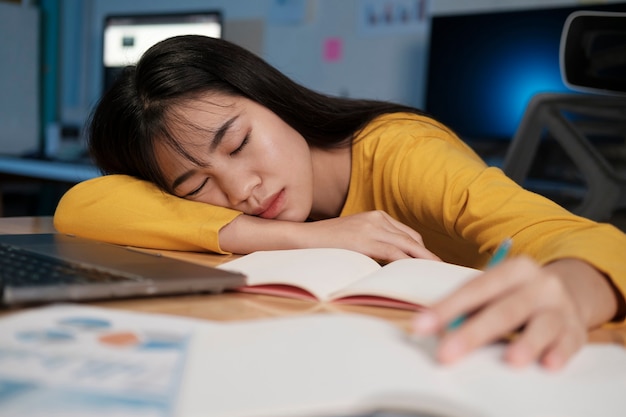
76, 360
341, 276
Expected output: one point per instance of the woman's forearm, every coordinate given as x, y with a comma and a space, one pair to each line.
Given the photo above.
246, 234
372, 233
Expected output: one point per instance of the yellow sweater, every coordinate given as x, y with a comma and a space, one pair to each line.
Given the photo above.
410, 166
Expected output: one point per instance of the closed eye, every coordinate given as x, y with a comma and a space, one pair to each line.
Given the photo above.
241, 146
197, 190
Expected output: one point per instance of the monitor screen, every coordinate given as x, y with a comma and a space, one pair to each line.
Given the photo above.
484, 67
127, 37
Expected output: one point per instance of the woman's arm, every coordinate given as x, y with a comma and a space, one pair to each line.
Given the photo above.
127, 211
373, 233
566, 274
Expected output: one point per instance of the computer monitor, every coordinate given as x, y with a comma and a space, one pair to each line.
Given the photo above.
484, 67
127, 37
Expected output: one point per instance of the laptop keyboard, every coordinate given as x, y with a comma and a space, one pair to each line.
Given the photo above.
19, 267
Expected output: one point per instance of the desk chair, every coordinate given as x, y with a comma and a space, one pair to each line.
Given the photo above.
593, 60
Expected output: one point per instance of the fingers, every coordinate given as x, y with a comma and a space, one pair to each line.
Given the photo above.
518, 294
373, 233
483, 289
406, 241
568, 337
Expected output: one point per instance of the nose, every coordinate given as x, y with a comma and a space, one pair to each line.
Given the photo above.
238, 186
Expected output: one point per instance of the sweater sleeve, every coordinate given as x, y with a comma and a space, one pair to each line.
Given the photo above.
424, 176
124, 210
481, 204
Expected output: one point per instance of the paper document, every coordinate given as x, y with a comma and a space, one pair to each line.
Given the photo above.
74, 361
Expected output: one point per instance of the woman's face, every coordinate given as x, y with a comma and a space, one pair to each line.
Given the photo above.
251, 160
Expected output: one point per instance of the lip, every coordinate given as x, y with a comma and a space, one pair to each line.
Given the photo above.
273, 206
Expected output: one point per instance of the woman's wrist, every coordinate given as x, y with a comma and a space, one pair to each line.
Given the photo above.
246, 234
596, 297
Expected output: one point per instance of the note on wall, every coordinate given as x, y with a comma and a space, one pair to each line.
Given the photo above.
379, 17
291, 12
333, 49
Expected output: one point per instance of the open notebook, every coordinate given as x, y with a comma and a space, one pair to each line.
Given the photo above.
36, 268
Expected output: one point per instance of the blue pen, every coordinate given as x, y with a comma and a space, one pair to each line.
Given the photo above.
499, 255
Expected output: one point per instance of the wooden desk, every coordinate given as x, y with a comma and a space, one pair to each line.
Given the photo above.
239, 306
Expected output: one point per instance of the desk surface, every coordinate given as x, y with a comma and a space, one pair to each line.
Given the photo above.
240, 306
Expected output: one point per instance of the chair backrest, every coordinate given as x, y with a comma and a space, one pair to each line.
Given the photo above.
593, 52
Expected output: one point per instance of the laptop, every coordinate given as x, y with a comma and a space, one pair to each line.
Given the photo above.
42, 268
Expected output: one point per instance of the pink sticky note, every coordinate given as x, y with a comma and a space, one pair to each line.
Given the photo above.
332, 49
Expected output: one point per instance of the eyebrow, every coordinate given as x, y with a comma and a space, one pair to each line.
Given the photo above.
218, 137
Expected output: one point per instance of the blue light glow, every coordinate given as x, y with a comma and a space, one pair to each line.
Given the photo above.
484, 68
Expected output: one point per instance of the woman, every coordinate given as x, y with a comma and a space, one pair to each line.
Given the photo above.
207, 147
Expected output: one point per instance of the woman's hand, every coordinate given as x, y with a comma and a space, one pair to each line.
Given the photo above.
552, 307
372, 233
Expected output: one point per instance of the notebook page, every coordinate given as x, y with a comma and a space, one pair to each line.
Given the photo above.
320, 271
419, 281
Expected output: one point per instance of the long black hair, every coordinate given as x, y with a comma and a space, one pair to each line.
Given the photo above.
133, 113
